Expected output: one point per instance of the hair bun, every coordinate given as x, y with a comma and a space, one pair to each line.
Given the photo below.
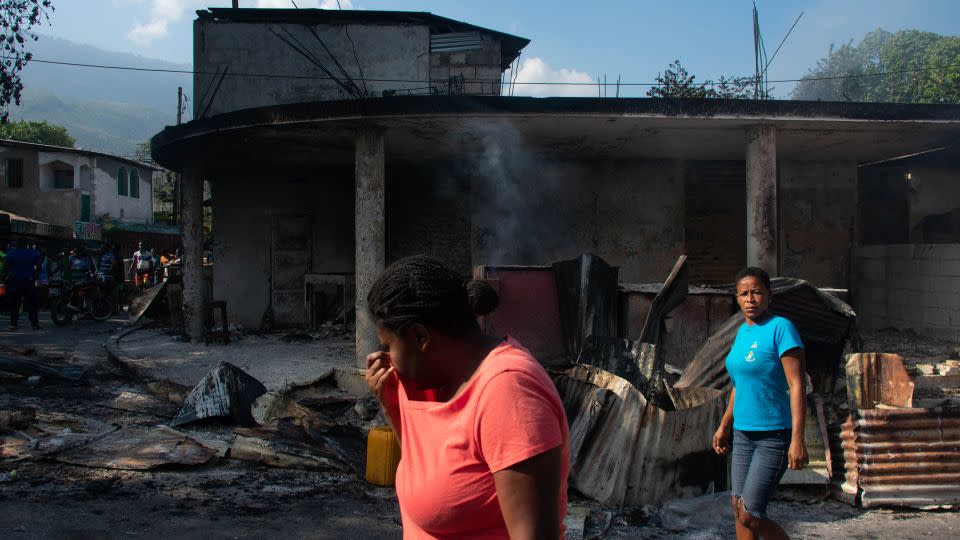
481, 297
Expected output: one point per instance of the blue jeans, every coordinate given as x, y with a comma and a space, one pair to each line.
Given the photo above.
758, 461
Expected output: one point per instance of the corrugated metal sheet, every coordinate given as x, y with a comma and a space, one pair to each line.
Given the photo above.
819, 317
625, 451
878, 378
819, 469
455, 41
902, 457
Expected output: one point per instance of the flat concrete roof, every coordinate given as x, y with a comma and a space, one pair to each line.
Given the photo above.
420, 128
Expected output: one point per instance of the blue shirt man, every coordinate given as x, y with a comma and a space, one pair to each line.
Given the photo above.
22, 263
763, 395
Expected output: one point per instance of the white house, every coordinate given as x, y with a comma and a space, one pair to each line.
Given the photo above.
64, 186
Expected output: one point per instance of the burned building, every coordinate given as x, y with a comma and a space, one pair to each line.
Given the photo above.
337, 142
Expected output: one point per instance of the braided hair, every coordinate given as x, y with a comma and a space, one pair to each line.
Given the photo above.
422, 289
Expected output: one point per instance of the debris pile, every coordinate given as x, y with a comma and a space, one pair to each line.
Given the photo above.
640, 427
284, 429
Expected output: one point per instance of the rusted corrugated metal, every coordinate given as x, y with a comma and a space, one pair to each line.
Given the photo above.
902, 457
626, 451
878, 378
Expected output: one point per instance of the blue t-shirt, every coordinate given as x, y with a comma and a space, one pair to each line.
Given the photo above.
22, 263
762, 402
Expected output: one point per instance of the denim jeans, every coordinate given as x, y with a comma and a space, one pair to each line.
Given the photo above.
758, 461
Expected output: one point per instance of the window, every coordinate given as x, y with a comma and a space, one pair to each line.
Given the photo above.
13, 172
121, 181
134, 184
63, 178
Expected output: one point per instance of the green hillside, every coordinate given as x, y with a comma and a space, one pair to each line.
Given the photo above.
105, 110
110, 127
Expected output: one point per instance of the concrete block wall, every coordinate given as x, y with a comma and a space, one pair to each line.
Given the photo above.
909, 286
480, 69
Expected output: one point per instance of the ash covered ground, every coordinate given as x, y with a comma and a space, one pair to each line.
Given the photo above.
227, 498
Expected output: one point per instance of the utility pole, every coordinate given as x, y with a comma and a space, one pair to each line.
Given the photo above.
179, 105
177, 177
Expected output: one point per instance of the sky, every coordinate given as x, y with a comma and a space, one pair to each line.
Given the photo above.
570, 40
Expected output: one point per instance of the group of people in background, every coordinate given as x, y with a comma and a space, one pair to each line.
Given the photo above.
26, 272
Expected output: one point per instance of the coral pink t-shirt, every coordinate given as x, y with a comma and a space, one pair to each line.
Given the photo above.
508, 411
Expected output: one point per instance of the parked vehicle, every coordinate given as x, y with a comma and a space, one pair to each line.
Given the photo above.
87, 297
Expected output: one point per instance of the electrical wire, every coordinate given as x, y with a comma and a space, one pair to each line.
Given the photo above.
515, 82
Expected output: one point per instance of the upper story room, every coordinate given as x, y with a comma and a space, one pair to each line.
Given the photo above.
245, 58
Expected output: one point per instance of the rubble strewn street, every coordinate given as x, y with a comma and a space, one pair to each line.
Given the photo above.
43, 497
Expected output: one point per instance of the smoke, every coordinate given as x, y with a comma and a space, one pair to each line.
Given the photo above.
519, 214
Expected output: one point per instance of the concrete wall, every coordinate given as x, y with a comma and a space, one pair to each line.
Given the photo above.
932, 192
909, 286
480, 69
245, 211
818, 206
107, 200
37, 199
537, 213
395, 52
428, 212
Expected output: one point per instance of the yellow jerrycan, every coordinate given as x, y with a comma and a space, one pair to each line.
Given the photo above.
383, 456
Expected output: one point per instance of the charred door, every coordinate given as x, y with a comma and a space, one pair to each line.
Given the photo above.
290, 261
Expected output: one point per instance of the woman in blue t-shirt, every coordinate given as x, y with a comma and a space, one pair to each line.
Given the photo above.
767, 409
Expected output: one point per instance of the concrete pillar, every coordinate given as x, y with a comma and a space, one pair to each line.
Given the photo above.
762, 235
370, 235
192, 256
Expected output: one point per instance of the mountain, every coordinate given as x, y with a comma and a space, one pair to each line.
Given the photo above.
108, 110
112, 127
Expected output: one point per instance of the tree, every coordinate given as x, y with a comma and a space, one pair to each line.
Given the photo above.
908, 66
675, 81
17, 19
142, 153
36, 132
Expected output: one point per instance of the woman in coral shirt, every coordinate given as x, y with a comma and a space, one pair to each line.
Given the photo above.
483, 434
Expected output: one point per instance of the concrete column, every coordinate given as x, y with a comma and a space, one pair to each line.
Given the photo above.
192, 256
762, 235
370, 235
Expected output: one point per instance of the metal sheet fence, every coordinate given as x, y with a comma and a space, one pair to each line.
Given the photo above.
902, 457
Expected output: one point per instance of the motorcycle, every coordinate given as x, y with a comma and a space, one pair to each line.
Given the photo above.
86, 297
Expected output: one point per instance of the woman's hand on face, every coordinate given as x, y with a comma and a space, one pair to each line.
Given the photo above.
721, 440
378, 369
797, 455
